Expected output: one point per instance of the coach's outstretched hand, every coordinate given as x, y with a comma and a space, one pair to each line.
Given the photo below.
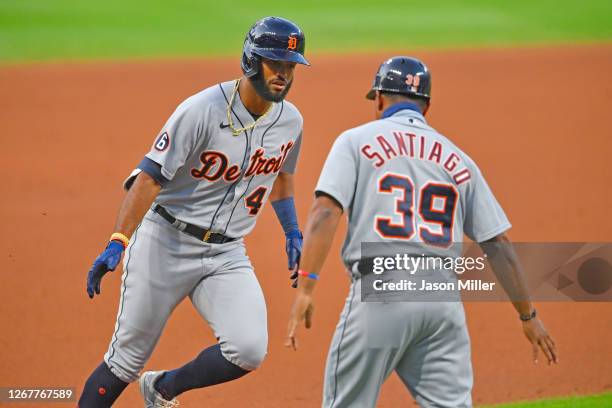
106, 261
540, 339
302, 310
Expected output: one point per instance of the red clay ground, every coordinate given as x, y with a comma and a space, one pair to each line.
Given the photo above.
537, 121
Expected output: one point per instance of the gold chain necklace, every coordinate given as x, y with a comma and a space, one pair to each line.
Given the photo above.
237, 131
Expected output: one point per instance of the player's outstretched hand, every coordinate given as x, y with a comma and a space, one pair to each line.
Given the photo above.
540, 339
293, 246
302, 309
106, 261
294, 277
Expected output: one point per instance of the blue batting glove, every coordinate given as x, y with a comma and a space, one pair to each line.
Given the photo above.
106, 261
293, 247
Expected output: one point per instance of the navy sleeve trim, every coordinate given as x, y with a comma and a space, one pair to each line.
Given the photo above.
153, 169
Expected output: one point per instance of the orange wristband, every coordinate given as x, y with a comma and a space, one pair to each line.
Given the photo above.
117, 236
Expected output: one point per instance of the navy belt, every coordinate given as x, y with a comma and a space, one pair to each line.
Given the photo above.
193, 230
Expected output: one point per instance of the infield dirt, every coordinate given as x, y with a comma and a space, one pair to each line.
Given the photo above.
537, 121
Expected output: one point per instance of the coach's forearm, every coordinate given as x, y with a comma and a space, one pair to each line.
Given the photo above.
318, 237
509, 273
136, 203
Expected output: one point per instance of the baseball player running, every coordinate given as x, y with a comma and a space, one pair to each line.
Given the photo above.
221, 155
401, 181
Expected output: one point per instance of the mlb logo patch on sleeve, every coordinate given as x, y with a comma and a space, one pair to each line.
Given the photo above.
162, 142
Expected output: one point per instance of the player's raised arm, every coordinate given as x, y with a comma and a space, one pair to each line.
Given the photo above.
134, 206
509, 273
282, 200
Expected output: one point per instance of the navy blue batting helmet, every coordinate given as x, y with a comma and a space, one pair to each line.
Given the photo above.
402, 75
273, 38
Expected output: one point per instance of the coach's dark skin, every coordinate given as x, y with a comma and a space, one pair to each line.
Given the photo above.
321, 226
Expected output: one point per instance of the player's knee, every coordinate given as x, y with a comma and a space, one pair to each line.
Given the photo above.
126, 360
247, 352
251, 352
125, 369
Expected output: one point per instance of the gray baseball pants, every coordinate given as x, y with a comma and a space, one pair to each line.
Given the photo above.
163, 266
425, 343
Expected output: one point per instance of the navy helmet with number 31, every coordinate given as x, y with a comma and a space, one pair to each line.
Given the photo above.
273, 38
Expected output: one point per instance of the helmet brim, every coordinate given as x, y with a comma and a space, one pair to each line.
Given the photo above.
372, 93
281, 55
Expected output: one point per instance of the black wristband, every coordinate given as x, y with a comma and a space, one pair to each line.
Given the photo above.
526, 318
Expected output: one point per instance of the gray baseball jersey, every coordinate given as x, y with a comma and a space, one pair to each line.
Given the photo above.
217, 181
400, 180
214, 179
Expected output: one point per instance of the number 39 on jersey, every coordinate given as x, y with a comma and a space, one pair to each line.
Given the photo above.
435, 203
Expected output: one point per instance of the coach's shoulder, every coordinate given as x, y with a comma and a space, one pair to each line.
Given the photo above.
350, 138
361, 131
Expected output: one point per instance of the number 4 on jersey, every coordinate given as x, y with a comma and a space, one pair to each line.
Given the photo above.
254, 201
430, 210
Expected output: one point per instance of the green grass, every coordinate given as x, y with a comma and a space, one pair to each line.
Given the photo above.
592, 401
83, 29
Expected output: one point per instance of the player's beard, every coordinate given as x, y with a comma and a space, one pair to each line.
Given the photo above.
264, 91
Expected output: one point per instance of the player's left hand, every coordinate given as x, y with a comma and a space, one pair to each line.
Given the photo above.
106, 261
540, 339
302, 309
293, 246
